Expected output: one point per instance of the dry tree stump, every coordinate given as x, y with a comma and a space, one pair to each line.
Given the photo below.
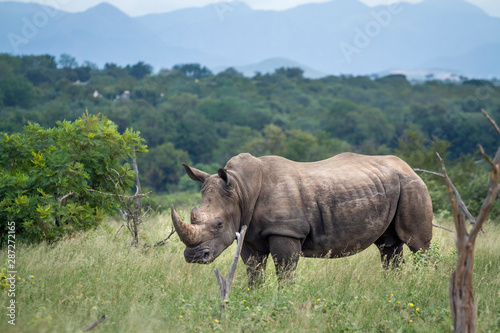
461, 281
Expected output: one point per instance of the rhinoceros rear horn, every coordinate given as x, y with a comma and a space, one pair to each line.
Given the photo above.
189, 234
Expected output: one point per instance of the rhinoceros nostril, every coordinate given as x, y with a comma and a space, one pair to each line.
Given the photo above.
205, 257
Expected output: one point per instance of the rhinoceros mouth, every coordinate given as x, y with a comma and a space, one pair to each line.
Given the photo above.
203, 256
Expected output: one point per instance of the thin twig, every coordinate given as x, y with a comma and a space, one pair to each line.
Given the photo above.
460, 202
100, 320
140, 195
67, 195
132, 242
491, 121
491, 196
164, 242
459, 225
138, 206
440, 226
486, 157
118, 231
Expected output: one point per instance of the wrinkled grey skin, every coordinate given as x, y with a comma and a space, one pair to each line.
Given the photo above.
331, 208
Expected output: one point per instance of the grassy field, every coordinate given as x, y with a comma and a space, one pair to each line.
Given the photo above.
67, 286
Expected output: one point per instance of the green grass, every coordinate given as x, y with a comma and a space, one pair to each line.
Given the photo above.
67, 286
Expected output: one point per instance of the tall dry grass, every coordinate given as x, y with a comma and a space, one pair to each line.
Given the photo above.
67, 286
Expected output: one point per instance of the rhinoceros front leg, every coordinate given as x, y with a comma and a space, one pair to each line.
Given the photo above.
255, 263
286, 253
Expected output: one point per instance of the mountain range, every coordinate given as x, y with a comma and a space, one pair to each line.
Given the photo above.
336, 37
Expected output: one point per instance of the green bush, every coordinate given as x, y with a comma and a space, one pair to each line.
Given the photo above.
45, 174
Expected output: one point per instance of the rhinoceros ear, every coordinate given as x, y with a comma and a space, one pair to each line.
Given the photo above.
195, 174
223, 174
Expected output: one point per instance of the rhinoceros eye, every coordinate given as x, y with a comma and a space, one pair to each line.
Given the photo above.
218, 226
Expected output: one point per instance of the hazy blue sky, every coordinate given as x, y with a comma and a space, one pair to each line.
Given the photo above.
136, 8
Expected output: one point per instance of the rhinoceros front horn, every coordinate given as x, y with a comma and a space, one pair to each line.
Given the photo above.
188, 233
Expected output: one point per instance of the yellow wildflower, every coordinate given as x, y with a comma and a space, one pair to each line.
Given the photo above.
411, 304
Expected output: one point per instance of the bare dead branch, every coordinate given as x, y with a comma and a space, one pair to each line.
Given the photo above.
460, 202
138, 206
66, 196
461, 281
118, 231
100, 320
431, 172
226, 284
440, 226
460, 227
491, 121
486, 157
140, 195
132, 242
491, 196
164, 242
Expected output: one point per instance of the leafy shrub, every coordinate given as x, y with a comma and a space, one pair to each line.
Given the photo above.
45, 174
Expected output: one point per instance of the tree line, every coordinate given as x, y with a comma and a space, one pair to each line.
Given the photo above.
187, 114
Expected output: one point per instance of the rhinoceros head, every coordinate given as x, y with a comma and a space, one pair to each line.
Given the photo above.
213, 226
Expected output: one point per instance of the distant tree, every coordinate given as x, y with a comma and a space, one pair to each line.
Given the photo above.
140, 70
394, 79
230, 73
41, 75
92, 65
83, 73
39, 61
67, 61
193, 70
290, 72
17, 91
163, 169
114, 70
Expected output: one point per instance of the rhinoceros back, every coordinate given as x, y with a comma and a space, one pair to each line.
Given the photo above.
341, 205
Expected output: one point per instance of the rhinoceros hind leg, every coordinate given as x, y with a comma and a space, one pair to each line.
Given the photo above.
390, 247
392, 256
255, 263
286, 253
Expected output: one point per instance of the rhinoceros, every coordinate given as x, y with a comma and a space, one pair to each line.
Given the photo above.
327, 209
